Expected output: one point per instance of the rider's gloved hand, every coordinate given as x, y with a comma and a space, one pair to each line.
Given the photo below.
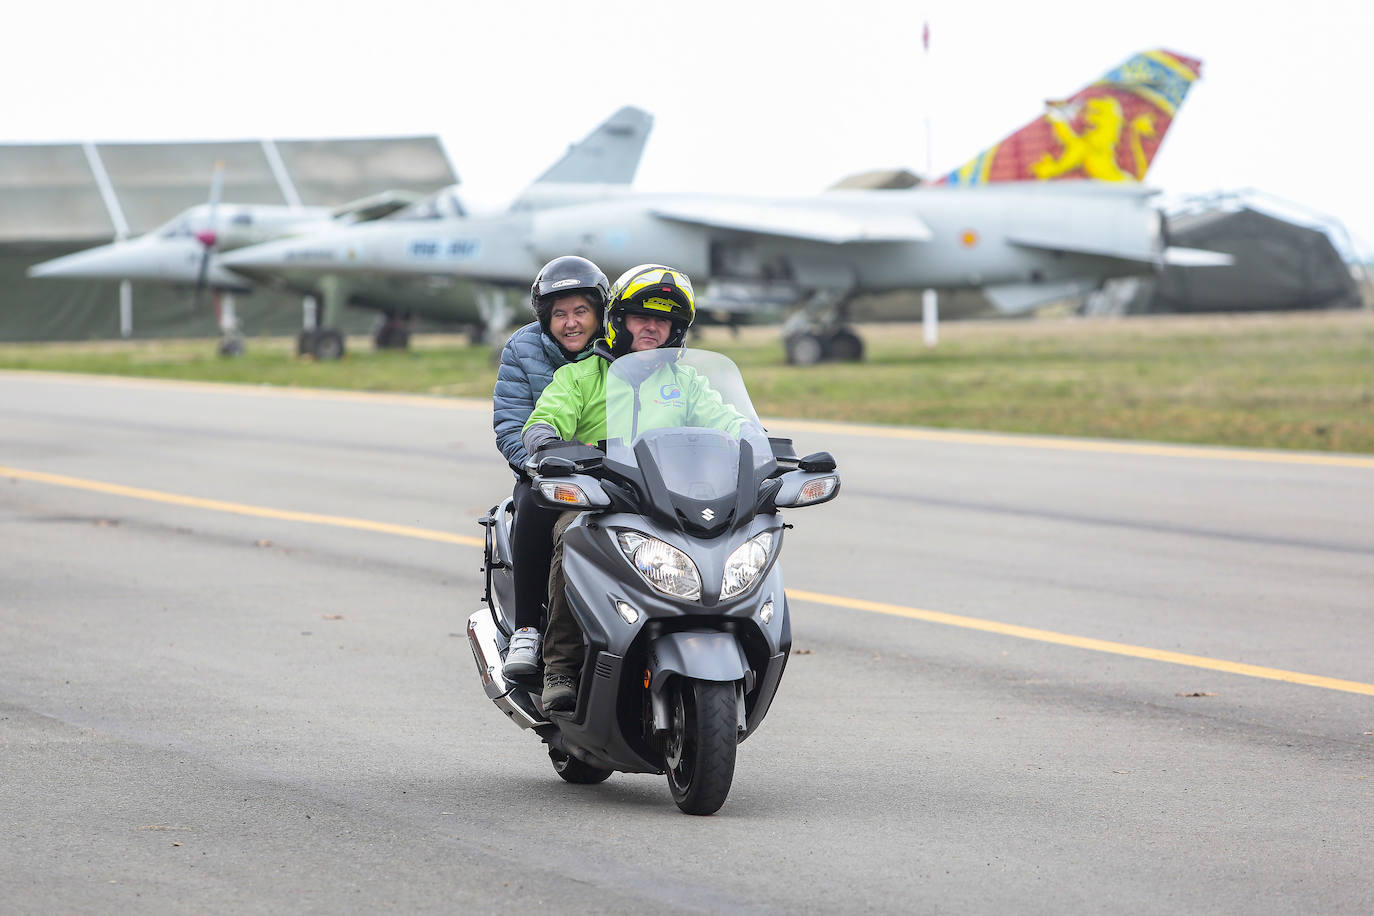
538, 436
532, 462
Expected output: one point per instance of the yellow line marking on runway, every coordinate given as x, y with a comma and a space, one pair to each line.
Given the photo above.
823, 427
858, 604
218, 505
1083, 642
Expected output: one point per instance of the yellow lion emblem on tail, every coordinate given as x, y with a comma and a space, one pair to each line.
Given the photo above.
1094, 151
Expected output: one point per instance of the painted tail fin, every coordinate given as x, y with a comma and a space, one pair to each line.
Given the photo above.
1109, 131
609, 155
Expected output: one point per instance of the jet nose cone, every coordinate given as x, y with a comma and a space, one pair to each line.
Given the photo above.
108, 262
176, 262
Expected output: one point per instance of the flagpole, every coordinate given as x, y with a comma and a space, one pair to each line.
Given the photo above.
930, 304
925, 63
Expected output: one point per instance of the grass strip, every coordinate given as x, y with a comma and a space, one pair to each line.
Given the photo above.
1292, 381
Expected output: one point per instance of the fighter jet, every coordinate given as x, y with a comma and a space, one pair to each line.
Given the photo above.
185, 251
1023, 242
190, 249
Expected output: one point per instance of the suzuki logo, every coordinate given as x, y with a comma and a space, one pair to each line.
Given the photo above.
707, 514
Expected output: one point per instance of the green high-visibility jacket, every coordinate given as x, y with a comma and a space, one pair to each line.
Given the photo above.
574, 403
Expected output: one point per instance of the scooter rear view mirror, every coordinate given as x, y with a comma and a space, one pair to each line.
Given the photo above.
553, 466
817, 461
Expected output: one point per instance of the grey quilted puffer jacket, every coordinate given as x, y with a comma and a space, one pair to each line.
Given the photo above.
528, 363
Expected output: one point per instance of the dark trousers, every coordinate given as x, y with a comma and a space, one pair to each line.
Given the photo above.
563, 651
531, 542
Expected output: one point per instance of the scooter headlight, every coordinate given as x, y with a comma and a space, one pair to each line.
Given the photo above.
743, 567
661, 564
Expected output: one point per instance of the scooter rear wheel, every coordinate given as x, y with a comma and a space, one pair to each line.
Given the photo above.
701, 744
575, 771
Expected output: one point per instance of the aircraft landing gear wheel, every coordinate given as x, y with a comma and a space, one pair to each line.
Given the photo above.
392, 335
846, 346
576, 771
477, 335
230, 346
328, 345
701, 744
804, 349
305, 342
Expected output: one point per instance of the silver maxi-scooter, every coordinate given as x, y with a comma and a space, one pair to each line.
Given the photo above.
672, 572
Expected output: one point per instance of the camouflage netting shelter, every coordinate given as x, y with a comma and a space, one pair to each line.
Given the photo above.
59, 198
1278, 266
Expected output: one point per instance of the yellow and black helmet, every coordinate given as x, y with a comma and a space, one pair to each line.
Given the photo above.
649, 289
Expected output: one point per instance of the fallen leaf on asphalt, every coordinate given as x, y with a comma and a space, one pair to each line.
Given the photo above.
333, 616
803, 652
262, 542
1196, 693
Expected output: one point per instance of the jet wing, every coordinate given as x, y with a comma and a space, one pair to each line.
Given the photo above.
1083, 245
812, 224
1172, 255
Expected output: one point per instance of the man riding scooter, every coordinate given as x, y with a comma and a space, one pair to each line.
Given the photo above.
651, 306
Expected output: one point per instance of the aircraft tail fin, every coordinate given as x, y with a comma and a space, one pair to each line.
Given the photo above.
1110, 130
609, 155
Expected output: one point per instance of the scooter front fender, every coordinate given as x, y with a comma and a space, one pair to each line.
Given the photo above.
705, 655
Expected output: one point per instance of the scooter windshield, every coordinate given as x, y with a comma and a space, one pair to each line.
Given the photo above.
691, 409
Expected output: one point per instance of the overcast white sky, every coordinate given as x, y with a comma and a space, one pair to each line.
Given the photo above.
764, 97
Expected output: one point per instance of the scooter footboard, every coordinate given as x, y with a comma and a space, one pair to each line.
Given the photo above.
486, 641
704, 655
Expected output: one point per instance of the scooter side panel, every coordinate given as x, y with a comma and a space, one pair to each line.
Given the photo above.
763, 697
600, 733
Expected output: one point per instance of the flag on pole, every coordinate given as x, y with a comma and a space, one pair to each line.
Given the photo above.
925, 36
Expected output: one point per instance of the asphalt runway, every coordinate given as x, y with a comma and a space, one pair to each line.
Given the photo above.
1031, 676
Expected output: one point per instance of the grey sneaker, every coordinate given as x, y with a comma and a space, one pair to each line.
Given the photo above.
560, 692
522, 660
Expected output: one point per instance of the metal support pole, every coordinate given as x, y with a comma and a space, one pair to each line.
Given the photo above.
228, 315
126, 309
930, 317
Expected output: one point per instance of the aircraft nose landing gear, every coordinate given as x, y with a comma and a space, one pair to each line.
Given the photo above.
821, 331
806, 348
324, 344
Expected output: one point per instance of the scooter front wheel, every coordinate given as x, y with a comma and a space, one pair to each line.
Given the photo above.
701, 744
576, 771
